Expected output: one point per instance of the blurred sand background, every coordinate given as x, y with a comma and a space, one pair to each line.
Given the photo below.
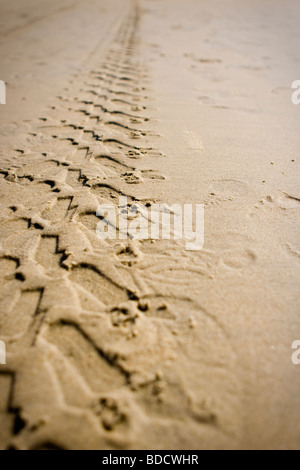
140, 345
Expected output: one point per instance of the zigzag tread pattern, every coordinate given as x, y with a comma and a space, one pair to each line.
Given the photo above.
95, 355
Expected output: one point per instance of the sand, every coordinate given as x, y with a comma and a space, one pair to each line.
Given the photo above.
131, 344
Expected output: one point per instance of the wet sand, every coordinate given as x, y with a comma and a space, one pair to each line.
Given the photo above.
133, 344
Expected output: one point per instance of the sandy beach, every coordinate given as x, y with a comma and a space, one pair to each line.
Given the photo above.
126, 344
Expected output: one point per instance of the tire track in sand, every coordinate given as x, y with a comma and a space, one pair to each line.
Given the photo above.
105, 355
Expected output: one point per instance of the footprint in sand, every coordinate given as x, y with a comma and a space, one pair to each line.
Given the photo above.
289, 202
226, 190
285, 202
239, 259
